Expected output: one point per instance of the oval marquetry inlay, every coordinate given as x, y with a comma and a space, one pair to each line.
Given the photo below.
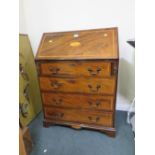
50, 41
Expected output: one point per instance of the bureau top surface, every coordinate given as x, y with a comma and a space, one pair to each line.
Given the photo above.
85, 44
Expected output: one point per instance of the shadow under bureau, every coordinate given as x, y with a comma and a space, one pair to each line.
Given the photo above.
78, 78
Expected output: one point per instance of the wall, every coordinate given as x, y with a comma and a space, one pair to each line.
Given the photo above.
40, 16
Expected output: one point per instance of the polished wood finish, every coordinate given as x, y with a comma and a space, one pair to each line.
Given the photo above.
96, 44
78, 85
76, 68
74, 115
97, 102
110, 131
76, 127
78, 78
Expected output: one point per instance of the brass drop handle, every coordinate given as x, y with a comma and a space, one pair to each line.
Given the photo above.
57, 114
96, 89
54, 70
56, 84
56, 101
96, 104
92, 72
94, 119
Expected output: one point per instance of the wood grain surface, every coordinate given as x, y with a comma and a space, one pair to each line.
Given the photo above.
77, 73
76, 68
78, 85
92, 102
89, 44
90, 117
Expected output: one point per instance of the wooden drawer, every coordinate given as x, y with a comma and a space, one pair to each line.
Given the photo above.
90, 117
91, 102
76, 68
78, 85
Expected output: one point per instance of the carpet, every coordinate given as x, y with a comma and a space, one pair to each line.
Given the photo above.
59, 140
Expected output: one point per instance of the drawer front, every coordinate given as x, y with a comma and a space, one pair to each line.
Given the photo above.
78, 85
76, 68
78, 101
89, 117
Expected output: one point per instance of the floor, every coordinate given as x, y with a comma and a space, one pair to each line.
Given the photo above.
58, 140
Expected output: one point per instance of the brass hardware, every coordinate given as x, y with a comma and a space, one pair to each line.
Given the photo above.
92, 72
57, 114
54, 70
75, 44
55, 84
96, 89
90, 118
56, 102
95, 119
96, 104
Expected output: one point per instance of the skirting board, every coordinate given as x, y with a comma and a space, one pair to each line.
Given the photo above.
122, 103
122, 107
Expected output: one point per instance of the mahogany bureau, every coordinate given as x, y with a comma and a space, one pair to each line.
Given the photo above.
78, 78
